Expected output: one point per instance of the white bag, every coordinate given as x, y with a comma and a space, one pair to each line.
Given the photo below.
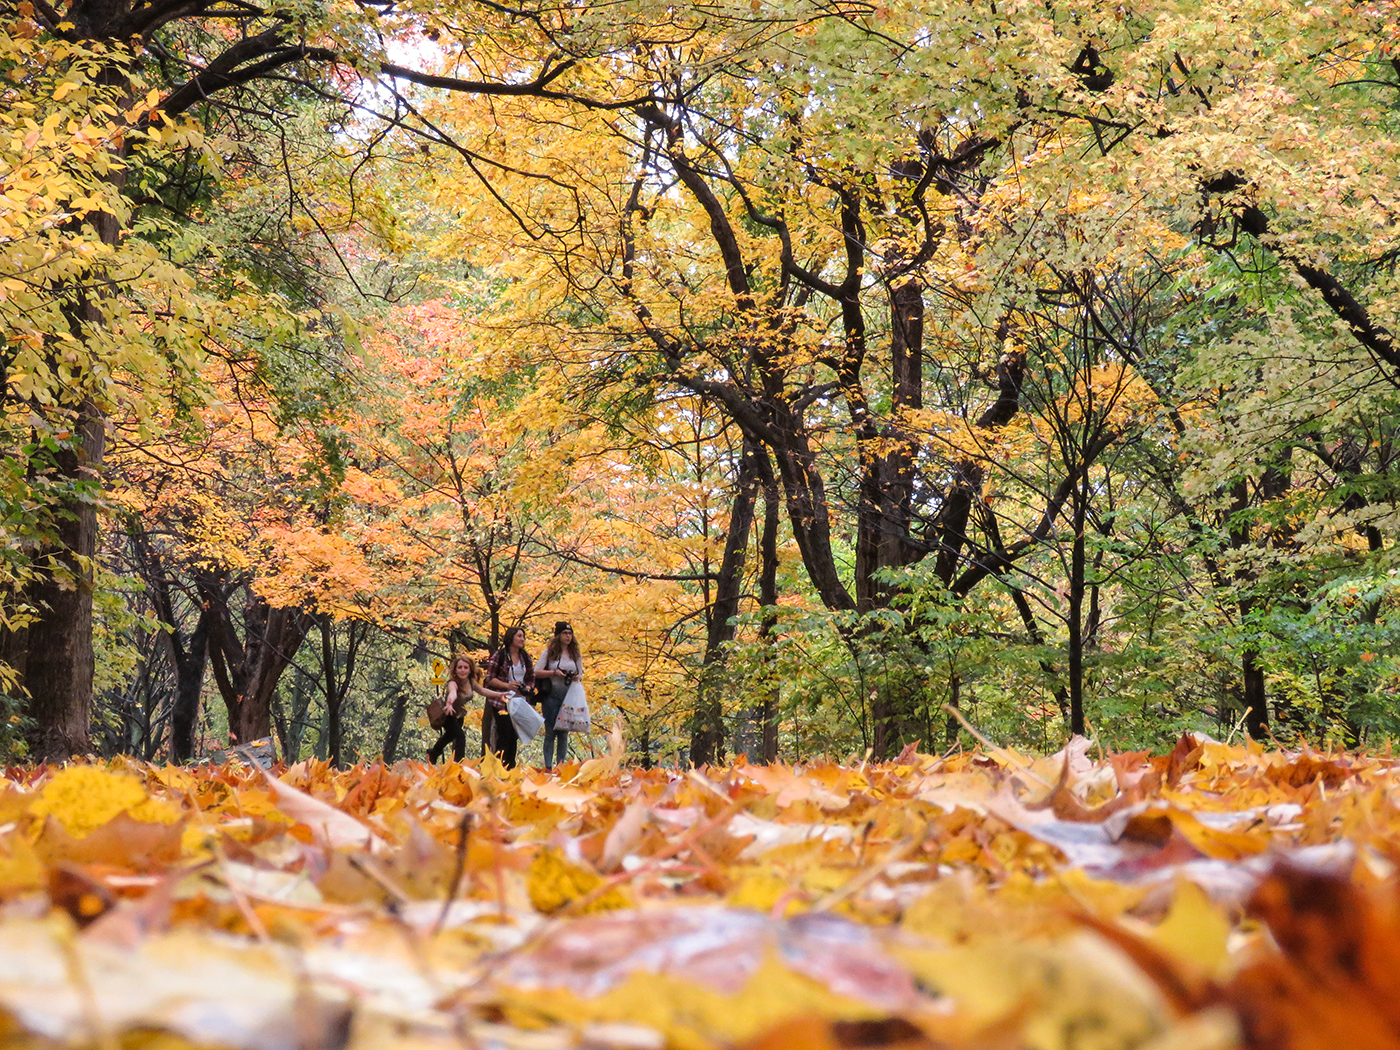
526, 719
573, 714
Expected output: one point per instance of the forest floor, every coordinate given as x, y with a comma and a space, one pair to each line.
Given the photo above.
1213, 897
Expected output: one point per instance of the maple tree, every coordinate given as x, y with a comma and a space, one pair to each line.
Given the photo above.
441, 484
751, 248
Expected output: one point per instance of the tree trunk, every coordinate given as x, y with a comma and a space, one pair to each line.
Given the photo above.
1273, 484
707, 732
809, 516
189, 666
334, 694
339, 672
768, 599
291, 728
247, 670
951, 527
187, 658
397, 717
59, 666
1256, 707
58, 663
884, 516
884, 538
952, 725
1076, 613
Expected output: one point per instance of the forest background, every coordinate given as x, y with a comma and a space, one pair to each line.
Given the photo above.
825, 363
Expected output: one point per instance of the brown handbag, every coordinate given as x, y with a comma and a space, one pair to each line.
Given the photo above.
437, 712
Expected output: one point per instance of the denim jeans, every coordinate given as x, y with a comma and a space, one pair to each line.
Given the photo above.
555, 738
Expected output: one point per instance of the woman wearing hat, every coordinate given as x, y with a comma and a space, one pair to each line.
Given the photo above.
559, 664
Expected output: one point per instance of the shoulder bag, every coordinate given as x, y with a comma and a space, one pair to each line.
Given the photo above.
437, 712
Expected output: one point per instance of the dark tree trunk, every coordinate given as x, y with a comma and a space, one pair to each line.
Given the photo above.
247, 670
707, 733
291, 728
884, 538
1253, 694
339, 672
951, 527
396, 720
189, 665
1256, 707
1275, 481
186, 657
1076, 613
809, 516
768, 598
907, 374
952, 725
58, 667
334, 693
58, 659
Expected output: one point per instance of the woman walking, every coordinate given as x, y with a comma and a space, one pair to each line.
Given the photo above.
509, 670
561, 664
459, 689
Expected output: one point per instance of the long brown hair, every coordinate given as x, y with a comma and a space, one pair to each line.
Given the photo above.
509, 637
471, 669
500, 663
556, 647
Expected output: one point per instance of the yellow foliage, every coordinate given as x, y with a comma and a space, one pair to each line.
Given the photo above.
20, 867
82, 797
556, 883
1194, 929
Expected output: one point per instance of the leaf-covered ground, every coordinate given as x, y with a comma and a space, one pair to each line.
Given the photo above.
1214, 897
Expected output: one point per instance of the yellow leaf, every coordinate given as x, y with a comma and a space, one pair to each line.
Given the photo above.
20, 868
556, 883
1194, 929
692, 1015
82, 798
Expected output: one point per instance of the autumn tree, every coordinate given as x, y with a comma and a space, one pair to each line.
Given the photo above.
746, 246
106, 91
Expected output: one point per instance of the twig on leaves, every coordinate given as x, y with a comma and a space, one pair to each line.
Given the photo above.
867, 875
240, 899
685, 842
1009, 757
464, 829
370, 870
101, 1032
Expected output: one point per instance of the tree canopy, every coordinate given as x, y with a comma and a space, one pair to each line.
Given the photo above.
828, 366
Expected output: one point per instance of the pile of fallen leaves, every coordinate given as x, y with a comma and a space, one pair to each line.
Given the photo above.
1213, 897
